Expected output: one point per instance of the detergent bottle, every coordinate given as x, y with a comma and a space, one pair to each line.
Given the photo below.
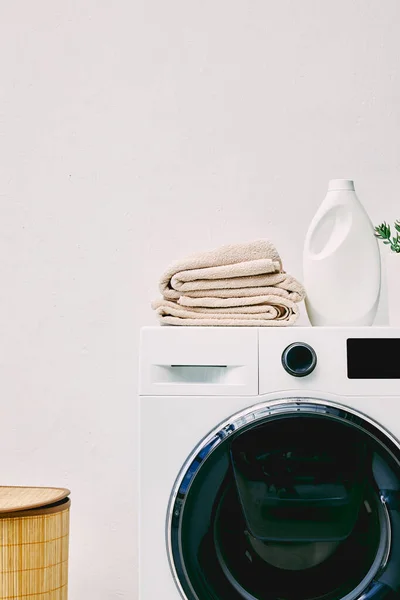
341, 261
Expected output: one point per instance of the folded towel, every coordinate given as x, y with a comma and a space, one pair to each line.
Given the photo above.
272, 296
276, 283
242, 284
232, 266
271, 311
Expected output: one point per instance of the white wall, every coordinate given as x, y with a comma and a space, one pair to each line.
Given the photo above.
134, 132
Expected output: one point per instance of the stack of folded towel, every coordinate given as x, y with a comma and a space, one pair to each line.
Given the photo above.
235, 285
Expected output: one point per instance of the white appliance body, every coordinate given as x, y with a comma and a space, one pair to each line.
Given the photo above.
195, 381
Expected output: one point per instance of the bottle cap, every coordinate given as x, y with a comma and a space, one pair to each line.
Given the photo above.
341, 184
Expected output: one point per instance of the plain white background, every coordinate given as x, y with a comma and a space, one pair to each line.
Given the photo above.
133, 133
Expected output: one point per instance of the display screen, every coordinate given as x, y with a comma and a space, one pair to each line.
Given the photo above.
373, 358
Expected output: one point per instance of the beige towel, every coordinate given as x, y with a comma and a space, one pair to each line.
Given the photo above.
276, 283
272, 297
232, 266
270, 311
241, 284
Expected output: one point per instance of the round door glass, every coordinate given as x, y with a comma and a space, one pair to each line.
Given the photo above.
290, 501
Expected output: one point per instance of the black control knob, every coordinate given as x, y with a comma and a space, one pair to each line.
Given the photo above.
299, 359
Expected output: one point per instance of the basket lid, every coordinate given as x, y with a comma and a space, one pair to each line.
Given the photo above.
14, 499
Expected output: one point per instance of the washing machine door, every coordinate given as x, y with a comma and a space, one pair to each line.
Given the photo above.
290, 500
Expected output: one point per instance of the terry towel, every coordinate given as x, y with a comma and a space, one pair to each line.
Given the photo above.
271, 311
212, 270
241, 284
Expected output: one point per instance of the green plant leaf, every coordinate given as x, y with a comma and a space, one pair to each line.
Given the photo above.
383, 231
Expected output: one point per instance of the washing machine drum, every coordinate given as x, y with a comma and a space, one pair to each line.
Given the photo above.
299, 505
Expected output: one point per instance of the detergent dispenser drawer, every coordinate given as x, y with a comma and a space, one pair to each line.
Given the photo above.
199, 362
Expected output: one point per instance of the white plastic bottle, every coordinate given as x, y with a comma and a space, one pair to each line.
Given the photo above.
341, 261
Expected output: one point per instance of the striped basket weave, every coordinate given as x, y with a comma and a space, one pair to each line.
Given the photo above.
34, 536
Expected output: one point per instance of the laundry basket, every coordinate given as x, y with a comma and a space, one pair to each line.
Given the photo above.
34, 539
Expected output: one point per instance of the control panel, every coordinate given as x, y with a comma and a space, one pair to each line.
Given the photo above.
343, 361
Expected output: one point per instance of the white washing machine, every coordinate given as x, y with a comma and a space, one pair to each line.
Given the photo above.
269, 463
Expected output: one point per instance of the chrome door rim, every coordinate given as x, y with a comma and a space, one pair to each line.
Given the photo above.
258, 413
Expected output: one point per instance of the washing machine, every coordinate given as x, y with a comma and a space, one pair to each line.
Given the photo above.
269, 463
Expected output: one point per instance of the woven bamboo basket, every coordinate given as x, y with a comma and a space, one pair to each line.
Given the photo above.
34, 541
